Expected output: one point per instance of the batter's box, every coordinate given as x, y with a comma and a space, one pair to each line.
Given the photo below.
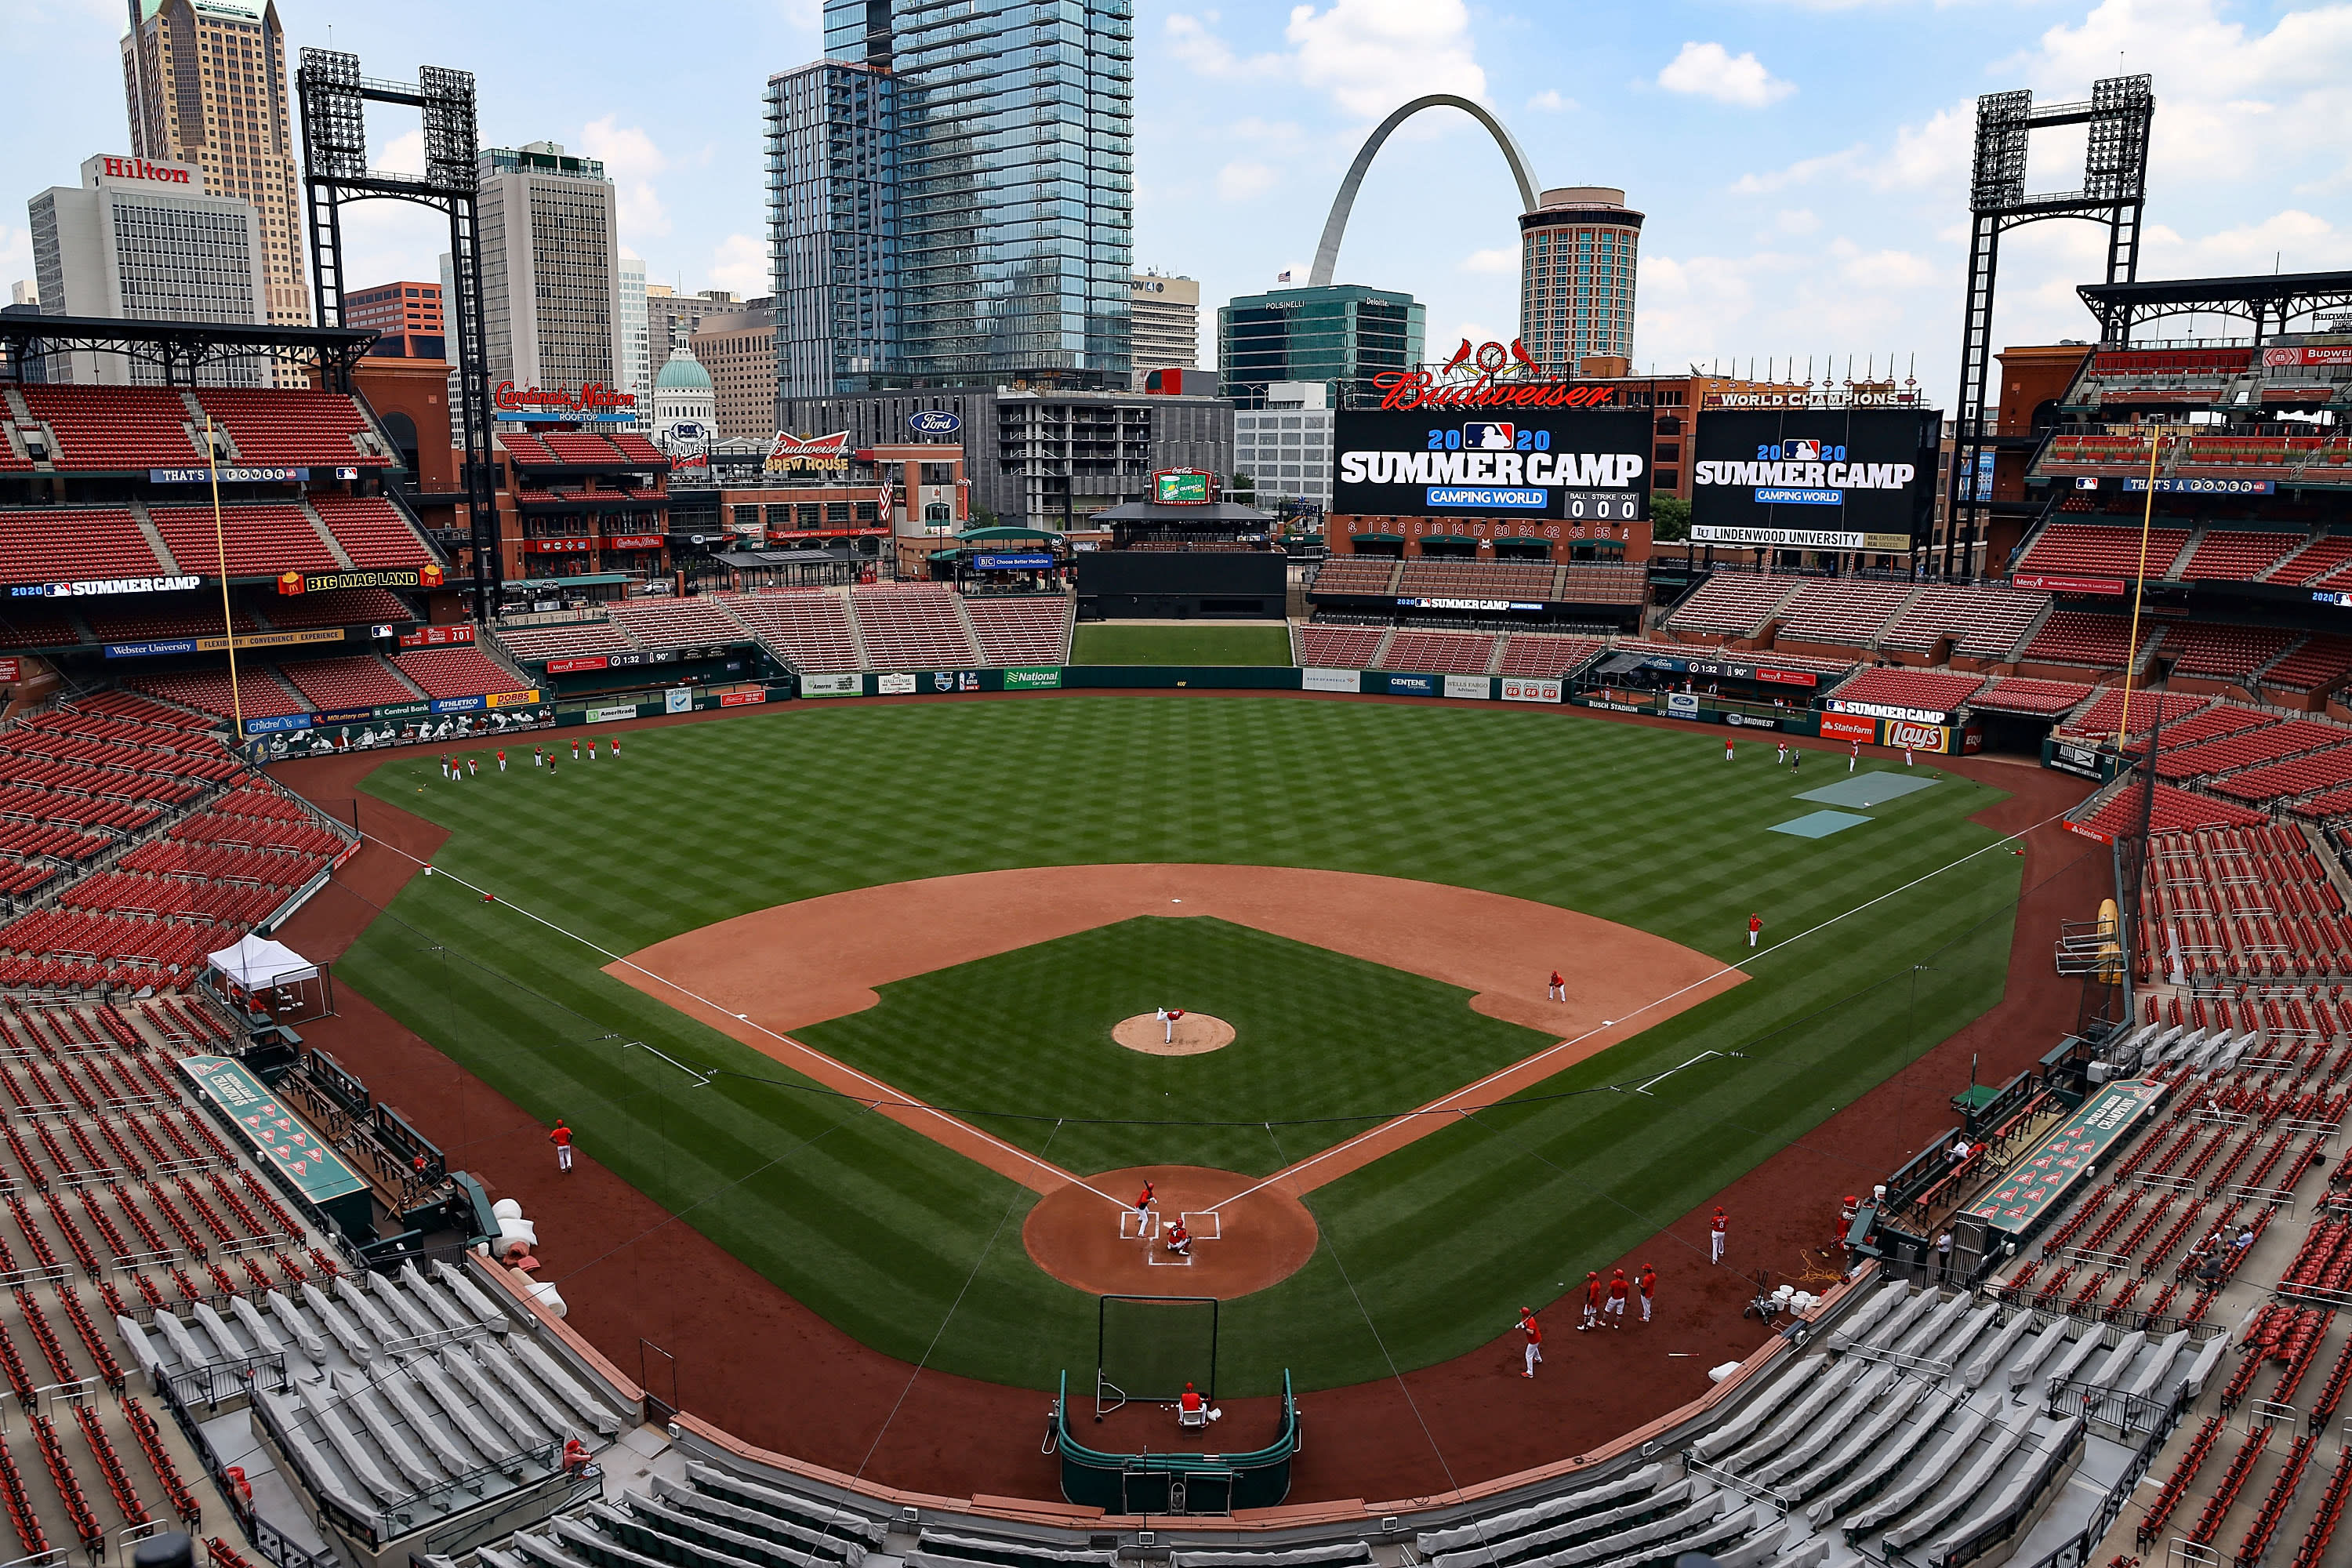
1136, 1225
1160, 1257
1205, 1225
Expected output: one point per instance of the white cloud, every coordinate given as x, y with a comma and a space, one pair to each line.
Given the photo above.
1371, 56
16, 253
1192, 42
740, 264
631, 161
1796, 220
403, 154
1503, 258
1710, 71
1244, 180
1549, 101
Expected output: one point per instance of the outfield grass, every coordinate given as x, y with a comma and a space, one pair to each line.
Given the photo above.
884, 1232
1319, 1037
1102, 643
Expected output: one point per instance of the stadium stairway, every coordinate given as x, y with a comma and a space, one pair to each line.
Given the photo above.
326, 537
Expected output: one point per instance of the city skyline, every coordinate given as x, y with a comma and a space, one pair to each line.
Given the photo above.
1804, 199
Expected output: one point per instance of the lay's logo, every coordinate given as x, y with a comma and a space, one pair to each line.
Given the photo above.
1915, 737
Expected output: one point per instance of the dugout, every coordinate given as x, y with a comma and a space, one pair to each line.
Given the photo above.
1182, 584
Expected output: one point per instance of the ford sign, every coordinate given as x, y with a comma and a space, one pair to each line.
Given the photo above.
934, 422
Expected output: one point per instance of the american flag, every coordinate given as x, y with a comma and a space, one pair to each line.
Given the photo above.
1284, 277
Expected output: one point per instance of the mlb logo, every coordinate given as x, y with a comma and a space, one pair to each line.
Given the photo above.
1489, 437
1800, 451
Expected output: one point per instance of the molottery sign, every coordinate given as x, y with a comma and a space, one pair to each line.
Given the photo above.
1802, 479
1590, 465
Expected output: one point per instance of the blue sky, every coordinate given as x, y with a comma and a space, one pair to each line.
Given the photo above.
1802, 163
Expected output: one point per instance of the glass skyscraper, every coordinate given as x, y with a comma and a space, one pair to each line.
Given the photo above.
1341, 335
1008, 222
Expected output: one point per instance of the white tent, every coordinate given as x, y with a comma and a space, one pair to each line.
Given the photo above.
257, 964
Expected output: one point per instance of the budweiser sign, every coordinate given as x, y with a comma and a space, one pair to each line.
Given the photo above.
805, 454
140, 169
1410, 389
540, 400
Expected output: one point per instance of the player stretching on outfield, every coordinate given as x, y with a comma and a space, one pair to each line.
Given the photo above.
1534, 1330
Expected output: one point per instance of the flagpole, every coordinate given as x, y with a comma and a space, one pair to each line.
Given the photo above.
220, 544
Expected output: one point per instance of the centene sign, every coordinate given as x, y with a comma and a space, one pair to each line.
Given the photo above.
140, 169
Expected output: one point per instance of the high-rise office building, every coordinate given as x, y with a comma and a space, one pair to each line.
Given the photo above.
1167, 323
739, 350
1008, 146
205, 84
1283, 446
147, 240
629, 317
406, 316
833, 202
551, 268
671, 318
1578, 253
1341, 334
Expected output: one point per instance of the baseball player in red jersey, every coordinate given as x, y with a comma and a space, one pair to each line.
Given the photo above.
502, 762
1717, 1226
1534, 1330
1143, 1199
1649, 1284
1853, 758
560, 1136
1180, 1240
1727, 748
1755, 927
1619, 1288
1559, 992
1593, 1290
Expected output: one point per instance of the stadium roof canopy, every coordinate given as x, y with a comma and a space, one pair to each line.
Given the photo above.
178, 347
2267, 299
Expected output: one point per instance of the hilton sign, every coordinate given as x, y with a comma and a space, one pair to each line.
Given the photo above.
140, 169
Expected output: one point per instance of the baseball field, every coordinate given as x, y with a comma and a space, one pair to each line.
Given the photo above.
872, 882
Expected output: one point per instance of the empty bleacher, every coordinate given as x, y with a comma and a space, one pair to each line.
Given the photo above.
1440, 653
1985, 622
569, 639
2323, 662
2236, 554
362, 680
1372, 574
1021, 629
1733, 604
1338, 647
2249, 748
2220, 652
261, 540
2100, 550
66, 544
676, 623
292, 428
911, 627
2316, 563
2091, 641
260, 694
2035, 698
1544, 655
337, 607
372, 531
1843, 611
454, 671
1523, 580
115, 427
810, 626
1932, 690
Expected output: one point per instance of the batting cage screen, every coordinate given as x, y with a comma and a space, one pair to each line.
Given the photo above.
1150, 1347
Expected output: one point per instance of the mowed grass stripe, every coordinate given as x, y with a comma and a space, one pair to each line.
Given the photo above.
876, 1227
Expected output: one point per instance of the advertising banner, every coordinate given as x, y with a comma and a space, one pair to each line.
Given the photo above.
154, 645
1583, 464
437, 636
508, 698
2042, 583
458, 704
1047, 679
2195, 486
1814, 478
2067, 757
955, 680
678, 699
1765, 673
611, 715
1918, 737
12, 671
1529, 689
228, 476
1413, 685
101, 587
1331, 679
848, 683
1018, 560
1892, 710
741, 699
1846, 727
575, 666
632, 541
889, 683
1476, 687
426, 577
2278, 356
1683, 704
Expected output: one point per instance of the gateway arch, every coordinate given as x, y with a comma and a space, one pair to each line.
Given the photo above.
1327, 252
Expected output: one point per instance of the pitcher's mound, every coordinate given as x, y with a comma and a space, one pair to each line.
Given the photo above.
1099, 1245
1196, 1033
